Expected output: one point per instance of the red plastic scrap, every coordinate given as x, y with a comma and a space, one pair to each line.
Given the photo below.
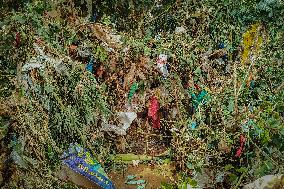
242, 140
241, 148
196, 86
239, 151
153, 112
154, 106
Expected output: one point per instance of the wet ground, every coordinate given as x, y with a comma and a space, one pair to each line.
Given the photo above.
154, 175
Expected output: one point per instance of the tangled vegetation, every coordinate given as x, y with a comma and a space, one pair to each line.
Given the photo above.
221, 102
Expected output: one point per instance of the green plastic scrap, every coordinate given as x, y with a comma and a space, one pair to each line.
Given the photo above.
141, 186
130, 177
201, 98
132, 90
136, 182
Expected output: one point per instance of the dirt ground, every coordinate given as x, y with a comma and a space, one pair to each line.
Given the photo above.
154, 175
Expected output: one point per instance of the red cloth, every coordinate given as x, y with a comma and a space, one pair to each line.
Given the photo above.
153, 112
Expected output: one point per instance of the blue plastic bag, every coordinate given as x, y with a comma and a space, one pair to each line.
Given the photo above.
81, 161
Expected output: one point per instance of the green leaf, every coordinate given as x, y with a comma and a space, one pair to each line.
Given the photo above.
242, 170
228, 167
192, 182
231, 105
233, 177
19, 18
165, 185
197, 71
48, 88
264, 169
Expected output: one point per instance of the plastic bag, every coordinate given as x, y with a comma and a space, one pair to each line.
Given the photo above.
82, 161
162, 65
125, 120
268, 181
153, 113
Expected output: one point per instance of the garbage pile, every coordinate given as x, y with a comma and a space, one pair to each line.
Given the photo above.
141, 99
94, 100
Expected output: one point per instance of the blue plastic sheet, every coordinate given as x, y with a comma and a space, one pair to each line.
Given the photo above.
81, 161
90, 65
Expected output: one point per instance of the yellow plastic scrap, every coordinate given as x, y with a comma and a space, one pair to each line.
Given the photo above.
251, 41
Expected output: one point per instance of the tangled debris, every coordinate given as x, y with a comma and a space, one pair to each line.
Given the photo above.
195, 89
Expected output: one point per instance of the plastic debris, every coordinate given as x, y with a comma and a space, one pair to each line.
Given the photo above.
268, 181
41, 61
135, 163
193, 125
174, 130
154, 107
251, 84
225, 56
174, 112
158, 37
113, 128
162, 59
136, 182
196, 86
132, 90
125, 50
107, 36
130, 177
220, 176
153, 113
241, 148
141, 186
82, 161
130, 181
179, 30
82, 52
46, 59
106, 47
199, 99
90, 65
125, 119
162, 65
95, 16
221, 45
30, 66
